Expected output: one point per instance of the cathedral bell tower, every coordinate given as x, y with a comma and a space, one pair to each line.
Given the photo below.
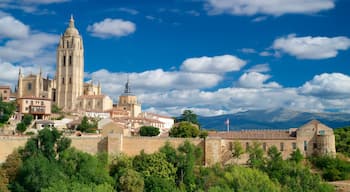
69, 68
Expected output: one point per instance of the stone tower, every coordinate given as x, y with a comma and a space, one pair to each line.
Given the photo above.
70, 68
128, 101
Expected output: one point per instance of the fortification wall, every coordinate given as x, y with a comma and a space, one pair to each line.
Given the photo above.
134, 145
9, 143
218, 150
89, 144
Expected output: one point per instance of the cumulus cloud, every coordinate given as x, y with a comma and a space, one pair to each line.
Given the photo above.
29, 6
328, 85
11, 75
311, 47
260, 68
156, 80
247, 50
39, 48
256, 80
217, 64
111, 28
12, 28
276, 7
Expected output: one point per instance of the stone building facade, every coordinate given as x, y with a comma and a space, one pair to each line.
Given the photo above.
67, 89
5, 93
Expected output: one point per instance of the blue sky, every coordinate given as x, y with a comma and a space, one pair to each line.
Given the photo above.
211, 56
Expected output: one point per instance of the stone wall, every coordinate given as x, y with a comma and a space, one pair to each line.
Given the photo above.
9, 143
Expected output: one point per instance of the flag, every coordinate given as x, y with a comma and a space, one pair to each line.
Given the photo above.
227, 122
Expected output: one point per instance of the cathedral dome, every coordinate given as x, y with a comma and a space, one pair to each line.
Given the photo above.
71, 30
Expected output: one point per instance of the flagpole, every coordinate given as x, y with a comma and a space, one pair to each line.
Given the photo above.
228, 125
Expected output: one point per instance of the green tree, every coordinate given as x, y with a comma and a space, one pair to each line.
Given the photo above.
84, 167
131, 181
256, 155
237, 150
154, 167
6, 110
3, 181
27, 119
189, 154
189, 116
21, 127
203, 134
56, 109
149, 131
12, 165
184, 129
296, 156
86, 126
342, 140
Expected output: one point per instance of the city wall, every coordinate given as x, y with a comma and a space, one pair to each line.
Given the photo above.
215, 150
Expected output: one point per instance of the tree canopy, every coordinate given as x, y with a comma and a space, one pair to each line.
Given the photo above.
149, 131
189, 116
184, 129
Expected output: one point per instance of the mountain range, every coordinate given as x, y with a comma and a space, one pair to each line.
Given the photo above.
272, 119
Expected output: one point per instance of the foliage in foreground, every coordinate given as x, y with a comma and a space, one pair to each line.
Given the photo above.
342, 140
48, 164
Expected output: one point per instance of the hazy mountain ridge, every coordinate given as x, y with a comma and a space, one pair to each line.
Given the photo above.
272, 119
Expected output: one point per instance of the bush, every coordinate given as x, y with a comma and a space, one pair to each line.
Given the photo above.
21, 127
149, 131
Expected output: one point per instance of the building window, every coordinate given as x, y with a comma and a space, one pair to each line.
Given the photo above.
70, 60
63, 80
26, 101
294, 145
305, 145
64, 60
26, 109
315, 145
42, 103
70, 80
5, 91
322, 132
67, 44
281, 146
264, 146
29, 86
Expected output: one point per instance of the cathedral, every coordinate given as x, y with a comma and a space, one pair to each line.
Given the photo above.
67, 89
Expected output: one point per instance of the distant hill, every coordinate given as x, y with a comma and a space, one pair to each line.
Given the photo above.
272, 119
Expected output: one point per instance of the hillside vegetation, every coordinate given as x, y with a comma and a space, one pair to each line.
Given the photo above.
47, 163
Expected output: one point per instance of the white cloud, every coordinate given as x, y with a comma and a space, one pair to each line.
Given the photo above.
39, 48
29, 6
311, 47
270, 7
44, 1
260, 68
259, 19
10, 77
217, 64
256, 80
265, 53
111, 28
12, 28
156, 80
128, 10
247, 50
332, 86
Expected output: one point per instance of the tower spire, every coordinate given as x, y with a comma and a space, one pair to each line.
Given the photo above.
71, 21
127, 86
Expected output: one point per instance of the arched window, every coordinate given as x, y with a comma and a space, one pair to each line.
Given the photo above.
70, 80
63, 80
64, 60
29, 86
70, 60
